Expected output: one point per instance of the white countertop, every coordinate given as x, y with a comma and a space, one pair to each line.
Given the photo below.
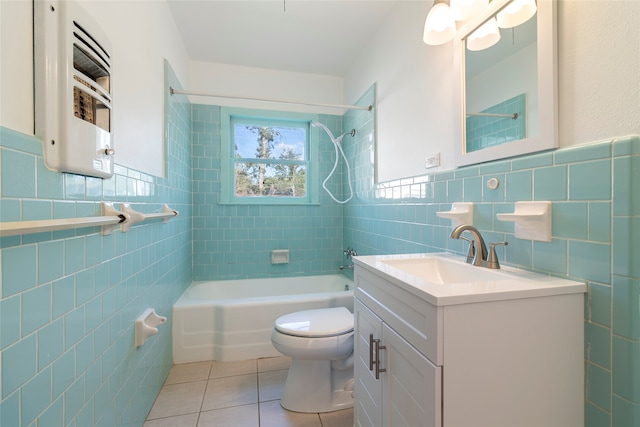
511, 284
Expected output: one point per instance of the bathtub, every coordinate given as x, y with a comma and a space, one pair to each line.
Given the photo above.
230, 320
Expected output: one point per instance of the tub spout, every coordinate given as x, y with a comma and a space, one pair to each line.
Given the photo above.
350, 266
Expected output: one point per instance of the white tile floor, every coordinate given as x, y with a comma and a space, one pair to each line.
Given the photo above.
234, 394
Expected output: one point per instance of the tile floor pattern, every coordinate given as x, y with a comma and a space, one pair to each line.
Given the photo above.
233, 394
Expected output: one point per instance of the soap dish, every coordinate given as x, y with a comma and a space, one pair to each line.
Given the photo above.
532, 220
460, 213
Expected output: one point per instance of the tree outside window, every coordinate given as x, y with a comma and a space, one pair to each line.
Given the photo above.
270, 159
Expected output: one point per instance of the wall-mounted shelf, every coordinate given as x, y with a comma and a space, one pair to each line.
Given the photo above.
460, 213
532, 220
110, 219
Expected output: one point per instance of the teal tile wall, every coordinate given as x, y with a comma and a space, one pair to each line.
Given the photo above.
487, 131
69, 299
235, 241
595, 194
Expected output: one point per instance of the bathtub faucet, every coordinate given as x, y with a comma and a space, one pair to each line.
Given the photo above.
350, 252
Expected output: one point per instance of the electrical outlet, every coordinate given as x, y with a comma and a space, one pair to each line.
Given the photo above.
432, 161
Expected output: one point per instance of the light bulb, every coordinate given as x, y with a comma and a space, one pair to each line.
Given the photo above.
516, 13
484, 36
439, 27
465, 9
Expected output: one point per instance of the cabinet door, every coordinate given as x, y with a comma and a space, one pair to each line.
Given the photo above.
367, 390
412, 385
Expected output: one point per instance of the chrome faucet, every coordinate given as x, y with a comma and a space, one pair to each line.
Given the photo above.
477, 254
479, 248
349, 253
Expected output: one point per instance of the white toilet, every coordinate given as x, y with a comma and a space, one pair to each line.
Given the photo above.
320, 344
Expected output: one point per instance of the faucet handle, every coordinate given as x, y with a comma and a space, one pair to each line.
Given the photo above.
492, 261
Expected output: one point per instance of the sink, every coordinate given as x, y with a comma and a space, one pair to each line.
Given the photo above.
443, 278
444, 271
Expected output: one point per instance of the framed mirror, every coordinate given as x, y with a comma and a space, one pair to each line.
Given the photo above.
506, 94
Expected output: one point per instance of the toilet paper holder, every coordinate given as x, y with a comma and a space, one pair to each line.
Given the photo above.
146, 325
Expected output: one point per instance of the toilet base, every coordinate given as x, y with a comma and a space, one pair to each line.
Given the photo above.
313, 386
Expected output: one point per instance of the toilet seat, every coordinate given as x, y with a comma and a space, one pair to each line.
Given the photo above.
319, 323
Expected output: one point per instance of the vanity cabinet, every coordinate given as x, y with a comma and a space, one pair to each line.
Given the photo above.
409, 384
502, 361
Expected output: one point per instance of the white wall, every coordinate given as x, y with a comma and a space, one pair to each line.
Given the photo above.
234, 80
414, 92
599, 82
599, 67
16, 70
142, 34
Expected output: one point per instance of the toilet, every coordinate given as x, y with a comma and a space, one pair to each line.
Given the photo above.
320, 344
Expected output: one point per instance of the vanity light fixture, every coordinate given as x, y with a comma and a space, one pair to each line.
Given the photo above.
485, 36
516, 13
440, 27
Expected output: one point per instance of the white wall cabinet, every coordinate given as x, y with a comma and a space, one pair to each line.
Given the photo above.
513, 362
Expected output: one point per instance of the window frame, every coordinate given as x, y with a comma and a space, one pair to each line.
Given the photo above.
229, 116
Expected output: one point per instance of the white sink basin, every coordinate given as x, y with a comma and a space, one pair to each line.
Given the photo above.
444, 278
444, 271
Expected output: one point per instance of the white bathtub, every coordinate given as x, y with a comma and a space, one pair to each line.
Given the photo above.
232, 319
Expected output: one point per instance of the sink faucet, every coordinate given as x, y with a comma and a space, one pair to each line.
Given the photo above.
477, 254
478, 243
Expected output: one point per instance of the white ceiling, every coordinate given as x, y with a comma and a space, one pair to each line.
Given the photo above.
309, 36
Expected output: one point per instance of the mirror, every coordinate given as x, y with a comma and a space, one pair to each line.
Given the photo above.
506, 94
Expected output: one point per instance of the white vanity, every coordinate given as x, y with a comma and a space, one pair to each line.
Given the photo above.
440, 342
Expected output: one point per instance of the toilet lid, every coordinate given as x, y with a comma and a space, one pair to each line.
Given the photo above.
325, 322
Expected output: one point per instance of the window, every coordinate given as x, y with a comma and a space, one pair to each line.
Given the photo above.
267, 157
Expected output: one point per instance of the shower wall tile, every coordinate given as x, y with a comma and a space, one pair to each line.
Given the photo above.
235, 241
595, 195
68, 299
